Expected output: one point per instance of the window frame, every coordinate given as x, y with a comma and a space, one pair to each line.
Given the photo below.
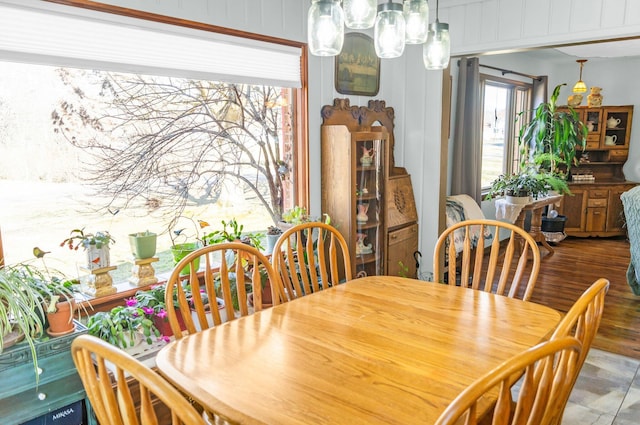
511, 156
301, 110
300, 95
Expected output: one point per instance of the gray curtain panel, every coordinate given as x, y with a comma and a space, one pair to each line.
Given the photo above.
467, 137
540, 93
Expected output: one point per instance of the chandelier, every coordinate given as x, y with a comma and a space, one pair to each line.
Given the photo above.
394, 25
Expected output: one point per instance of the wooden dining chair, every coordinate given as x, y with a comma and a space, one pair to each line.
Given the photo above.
511, 271
310, 257
104, 369
582, 322
218, 283
545, 369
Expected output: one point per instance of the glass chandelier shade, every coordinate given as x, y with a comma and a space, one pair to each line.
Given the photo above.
437, 49
389, 31
416, 16
580, 86
325, 28
359, 14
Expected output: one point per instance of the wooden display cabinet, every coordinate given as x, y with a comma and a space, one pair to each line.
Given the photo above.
396, 213
597, 181
354, 174
607, 146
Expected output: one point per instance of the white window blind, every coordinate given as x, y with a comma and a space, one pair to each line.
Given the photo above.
52, 34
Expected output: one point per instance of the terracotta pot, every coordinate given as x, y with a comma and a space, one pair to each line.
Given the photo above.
61, 321
162, 323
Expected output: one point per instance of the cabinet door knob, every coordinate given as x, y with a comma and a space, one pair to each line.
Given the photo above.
42, 396
40, 371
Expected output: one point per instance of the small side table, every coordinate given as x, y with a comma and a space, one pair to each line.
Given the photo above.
536, 207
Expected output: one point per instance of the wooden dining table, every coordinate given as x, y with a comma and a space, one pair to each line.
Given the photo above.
378, 349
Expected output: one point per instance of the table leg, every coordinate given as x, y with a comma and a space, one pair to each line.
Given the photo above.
536, 230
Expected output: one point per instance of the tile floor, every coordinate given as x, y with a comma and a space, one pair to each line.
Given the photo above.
607, 391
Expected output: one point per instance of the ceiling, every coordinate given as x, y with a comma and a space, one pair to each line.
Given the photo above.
611, 49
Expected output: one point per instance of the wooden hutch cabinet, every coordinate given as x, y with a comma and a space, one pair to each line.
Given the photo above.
369, 199
595, 208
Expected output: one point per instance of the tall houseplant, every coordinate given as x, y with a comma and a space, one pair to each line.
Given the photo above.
548, 145
550, 139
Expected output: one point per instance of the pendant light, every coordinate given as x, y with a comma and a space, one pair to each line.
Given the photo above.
389, 31
580, 86
325, 27
416, 16
437, 49
359, 14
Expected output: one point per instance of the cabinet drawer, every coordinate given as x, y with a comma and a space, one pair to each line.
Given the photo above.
597, 202
402, 235
598, 193
592, 144
618, 155
34, 403
593, 137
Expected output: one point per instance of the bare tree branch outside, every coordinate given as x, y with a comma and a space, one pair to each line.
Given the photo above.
167, 143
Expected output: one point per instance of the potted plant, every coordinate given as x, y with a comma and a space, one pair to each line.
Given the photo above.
21, 308
124, 326
21, 312
273, 233
293, 216
549, 142
551, 137
60, 305
181, 246
520, 187
96, 245
232, 232
143, 244
152, 301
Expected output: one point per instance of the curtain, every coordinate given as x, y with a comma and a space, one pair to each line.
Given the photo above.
467, 137
540, 92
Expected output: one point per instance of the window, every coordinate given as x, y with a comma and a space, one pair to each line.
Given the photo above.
50, 142
502, 100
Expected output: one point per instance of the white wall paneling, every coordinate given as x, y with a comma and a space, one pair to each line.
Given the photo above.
534, 23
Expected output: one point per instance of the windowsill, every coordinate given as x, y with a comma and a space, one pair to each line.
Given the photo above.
124, 290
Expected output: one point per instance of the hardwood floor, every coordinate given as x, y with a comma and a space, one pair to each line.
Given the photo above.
576, 264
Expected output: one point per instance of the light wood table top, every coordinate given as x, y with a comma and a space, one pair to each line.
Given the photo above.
379, 349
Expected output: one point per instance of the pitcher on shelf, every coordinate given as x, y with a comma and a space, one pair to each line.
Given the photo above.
367, 156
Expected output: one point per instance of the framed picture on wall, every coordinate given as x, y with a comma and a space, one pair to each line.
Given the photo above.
357, 66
